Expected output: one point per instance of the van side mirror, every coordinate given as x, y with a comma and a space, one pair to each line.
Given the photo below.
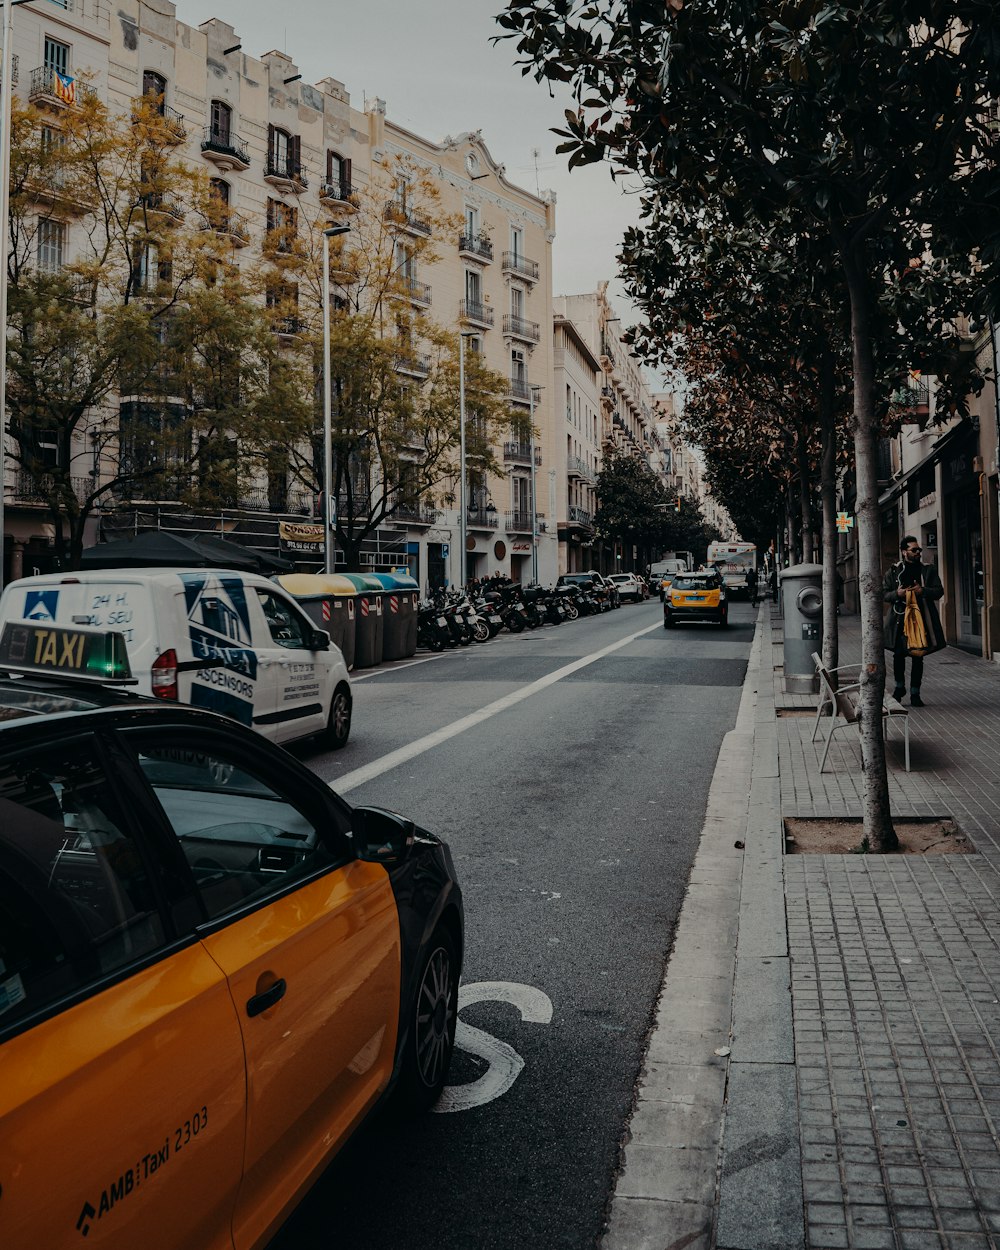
319, 640
381, 836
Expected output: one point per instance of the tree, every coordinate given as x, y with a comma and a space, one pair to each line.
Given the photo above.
863, 120
635, 509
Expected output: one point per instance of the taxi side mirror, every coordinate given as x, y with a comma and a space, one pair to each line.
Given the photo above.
319, 640
381, 836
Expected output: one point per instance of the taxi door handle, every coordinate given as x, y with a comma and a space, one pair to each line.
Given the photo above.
261, 1002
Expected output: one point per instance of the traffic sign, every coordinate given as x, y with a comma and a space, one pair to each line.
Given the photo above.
845, 522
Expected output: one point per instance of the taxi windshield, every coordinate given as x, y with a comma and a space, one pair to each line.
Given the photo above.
16, 703
692, 581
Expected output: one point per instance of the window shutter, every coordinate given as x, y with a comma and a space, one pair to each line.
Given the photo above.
345, 177
271, 132
295, 154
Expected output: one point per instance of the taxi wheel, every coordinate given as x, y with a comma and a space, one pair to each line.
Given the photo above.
431, 1037
338, 727
724, 620
668, 622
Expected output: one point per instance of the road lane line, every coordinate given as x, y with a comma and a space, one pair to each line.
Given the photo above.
386, 763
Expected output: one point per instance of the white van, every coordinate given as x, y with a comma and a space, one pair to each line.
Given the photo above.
232, 642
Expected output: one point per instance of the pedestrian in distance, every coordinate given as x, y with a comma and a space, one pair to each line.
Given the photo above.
912, 627
751, 580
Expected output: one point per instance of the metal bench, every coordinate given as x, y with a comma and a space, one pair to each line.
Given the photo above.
845, 707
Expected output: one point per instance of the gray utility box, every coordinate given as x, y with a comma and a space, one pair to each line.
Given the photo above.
802, 607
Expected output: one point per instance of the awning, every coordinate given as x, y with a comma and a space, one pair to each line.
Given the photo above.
935, 454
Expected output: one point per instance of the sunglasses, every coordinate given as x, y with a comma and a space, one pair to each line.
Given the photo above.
913, 550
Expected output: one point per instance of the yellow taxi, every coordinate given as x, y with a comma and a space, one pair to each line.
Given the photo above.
695, 597
212, 968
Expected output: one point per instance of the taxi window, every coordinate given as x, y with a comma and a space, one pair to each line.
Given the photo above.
241, 836
681, 582
287, 628
76, 902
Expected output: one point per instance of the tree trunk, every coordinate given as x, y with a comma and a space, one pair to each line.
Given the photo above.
876, 813
805, 498
790, 529
828, 493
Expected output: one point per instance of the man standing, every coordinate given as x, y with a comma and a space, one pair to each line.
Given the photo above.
910, 574
751, 583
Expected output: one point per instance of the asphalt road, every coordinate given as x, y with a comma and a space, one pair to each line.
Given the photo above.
573, 815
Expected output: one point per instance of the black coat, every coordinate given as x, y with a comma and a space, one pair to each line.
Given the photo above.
933, 590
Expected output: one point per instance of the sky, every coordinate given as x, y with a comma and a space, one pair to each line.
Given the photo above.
433, 63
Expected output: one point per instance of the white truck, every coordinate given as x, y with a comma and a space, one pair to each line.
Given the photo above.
732, 560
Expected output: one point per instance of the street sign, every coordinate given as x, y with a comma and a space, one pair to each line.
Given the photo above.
845, 522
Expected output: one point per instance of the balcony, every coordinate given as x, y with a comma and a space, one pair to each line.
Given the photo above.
230, 226
518, 265
413, 364
53, 90
338, 196
575, 467
482, 516
285, 175
608, 362
71, 194
416, 292
401, 215
520, 390
263, 499
518, 522
31, 489
174, 125
289, 328
415, 514
580, 516
914, 399
518, 328
520, 453
225, 149
159, 209
474, 312
475, 247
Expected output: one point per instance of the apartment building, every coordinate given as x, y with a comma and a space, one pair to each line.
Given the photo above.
577, 381
285, 158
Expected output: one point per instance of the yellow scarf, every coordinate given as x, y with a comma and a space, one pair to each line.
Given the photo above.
913, 625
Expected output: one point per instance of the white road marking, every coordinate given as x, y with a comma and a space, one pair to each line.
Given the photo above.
505, 1064
394, 759
393, 668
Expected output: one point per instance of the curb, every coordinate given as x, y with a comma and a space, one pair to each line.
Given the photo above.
665, 1195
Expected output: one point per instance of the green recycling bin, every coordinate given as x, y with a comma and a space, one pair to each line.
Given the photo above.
399, 615
368, 626
330, 601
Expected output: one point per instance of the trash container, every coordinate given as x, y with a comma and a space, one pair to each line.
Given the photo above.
368, 625
802, 607
399, 615
330, 601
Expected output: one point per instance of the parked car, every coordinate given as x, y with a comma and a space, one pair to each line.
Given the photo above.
629, 586
231, 642
696, 597
212, 968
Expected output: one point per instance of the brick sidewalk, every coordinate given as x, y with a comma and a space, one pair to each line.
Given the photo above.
895, 974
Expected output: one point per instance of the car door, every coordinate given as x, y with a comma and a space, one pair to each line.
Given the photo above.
297, 678
308, 937
123, 1103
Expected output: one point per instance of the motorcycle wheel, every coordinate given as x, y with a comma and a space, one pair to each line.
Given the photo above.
572, 611
514, 623
480, 630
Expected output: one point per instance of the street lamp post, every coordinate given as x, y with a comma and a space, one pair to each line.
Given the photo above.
329, 502
534, 510
463, 526
5, 99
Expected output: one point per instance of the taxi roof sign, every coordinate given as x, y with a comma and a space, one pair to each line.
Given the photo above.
82, 653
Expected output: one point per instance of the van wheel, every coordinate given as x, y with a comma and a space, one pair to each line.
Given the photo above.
338, 727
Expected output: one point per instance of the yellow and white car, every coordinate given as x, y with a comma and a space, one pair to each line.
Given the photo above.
695, 597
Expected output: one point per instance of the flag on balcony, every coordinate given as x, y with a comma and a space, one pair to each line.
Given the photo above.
65, 87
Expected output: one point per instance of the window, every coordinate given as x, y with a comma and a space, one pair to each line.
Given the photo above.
243, 838
518, 369
51, 245
517, 241
56, 56
521, 494
282, 223
473, 289
338, 174
517, 302
219, 190
155, 85
474, 344
221, 122
287, 628
284, 152
149, 268
471, 221
406, 265
76, 901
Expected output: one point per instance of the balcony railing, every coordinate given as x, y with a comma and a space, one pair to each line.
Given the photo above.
231, 224
338, 192
413, 363
482, 517
915, 396
518, 328
518, 521
174, 122
50, 86
580, 516
223, 143
154, 202
520, 453
520, 390
416, 292
416, 514
263, 499
514, 262
29, 488
287, 170
579, 468
287, 327
401, 215
475, 311
479, 246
